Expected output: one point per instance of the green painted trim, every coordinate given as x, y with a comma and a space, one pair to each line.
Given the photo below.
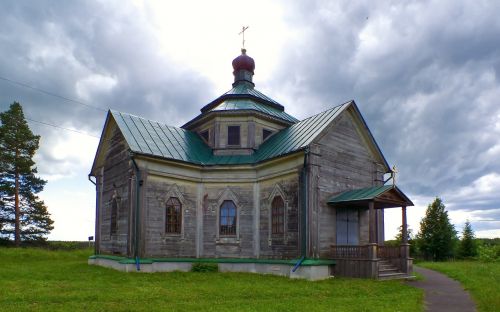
107, 257
306, 262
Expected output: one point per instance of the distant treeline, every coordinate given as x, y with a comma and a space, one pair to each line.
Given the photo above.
488, 241
487, 249
50, 245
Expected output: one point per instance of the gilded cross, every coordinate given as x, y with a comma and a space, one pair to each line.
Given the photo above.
394, 171
242, 32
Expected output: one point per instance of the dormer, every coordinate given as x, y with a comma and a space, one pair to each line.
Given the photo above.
238, 121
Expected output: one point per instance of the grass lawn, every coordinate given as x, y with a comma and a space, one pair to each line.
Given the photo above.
42, 280
481, 279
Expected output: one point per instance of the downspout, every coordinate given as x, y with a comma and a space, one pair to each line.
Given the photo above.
136, 223
305, 197
96, 214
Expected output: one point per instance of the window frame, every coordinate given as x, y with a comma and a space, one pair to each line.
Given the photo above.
207, 133
175, 204
229, 136
228, 216
278, 216
269, 134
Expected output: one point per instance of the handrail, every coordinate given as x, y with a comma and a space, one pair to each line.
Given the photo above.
388, 252
349, 252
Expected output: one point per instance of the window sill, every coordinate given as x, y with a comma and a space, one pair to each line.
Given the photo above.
227, 240
166, 236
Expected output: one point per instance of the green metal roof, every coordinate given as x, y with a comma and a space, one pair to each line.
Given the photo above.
299, 135
153, 138
158, 140
247, 104
243, 96
360, 194
247, 90
368, 193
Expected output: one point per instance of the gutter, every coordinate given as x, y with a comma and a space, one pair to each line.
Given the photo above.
305, 198
136, 219
96, 213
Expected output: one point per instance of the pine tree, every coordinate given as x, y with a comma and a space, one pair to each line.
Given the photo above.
437, 235
468, 246
22, 214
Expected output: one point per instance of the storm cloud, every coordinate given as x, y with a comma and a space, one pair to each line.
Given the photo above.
425, 75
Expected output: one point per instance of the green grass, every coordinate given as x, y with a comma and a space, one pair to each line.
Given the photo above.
41, 280
481, 279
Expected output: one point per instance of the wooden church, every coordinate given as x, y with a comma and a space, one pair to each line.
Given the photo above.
249, 187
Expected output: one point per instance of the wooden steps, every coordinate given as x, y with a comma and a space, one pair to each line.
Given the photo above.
387, 271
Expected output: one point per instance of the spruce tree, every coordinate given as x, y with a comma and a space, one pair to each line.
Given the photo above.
437, 235
22, 214
468, 248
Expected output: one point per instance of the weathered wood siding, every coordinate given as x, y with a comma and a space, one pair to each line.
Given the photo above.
239, 245
340, 160
158, 243
200, 214
115, 182
284, 246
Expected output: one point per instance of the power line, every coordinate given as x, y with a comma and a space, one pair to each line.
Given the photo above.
50, 93
63, 128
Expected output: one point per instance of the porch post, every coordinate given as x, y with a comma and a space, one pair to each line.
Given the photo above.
406, 261
404, 231
372, 246
373, 227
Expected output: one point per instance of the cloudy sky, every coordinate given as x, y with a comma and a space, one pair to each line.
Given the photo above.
425, 74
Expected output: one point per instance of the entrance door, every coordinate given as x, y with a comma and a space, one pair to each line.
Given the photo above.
347, 226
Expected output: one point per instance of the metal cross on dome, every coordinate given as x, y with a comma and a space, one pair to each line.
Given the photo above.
242, 32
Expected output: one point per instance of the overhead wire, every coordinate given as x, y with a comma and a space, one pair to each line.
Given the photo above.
25, 85
63, 128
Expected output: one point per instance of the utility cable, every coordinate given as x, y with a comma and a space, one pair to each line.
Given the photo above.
50, 93
63, 128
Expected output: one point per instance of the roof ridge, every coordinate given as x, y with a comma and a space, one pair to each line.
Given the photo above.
326, 110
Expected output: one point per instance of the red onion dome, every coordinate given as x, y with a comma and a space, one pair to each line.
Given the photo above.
244, 62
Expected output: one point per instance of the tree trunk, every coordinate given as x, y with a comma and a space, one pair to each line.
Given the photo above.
17, 236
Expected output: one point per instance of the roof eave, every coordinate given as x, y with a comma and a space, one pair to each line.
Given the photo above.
372, 138
99, 146
192, 123
224, 97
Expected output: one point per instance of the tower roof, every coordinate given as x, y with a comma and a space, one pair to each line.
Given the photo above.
243, 62
244, 97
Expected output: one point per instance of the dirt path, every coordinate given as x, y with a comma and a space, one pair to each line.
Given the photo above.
442, 293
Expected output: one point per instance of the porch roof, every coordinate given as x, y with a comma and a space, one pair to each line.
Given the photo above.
385, 196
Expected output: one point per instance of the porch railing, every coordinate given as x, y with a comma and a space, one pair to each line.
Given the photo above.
349, 252
362, 252
388, 252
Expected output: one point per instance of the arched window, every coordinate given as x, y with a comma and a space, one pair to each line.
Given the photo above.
173, 216
278, 215
227, 225
114, 216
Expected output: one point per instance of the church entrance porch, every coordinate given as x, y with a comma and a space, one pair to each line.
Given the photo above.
371, 260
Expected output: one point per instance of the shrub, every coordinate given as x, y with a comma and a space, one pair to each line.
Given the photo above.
205, 267
489, 253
